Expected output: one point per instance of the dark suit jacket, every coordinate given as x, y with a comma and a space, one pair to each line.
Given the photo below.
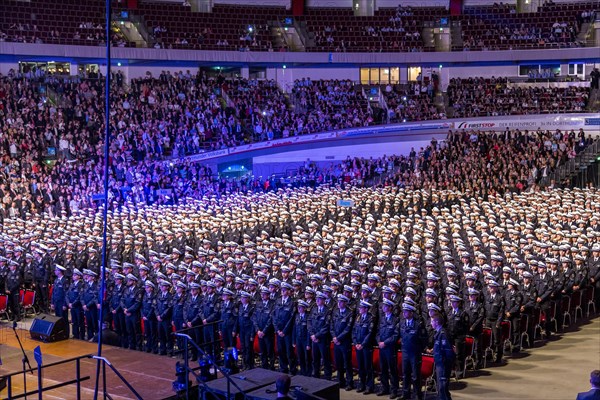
592, 394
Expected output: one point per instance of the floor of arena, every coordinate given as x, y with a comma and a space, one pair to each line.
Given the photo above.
138, 368
557, 369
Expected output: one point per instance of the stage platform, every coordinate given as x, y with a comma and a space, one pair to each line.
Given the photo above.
151, 375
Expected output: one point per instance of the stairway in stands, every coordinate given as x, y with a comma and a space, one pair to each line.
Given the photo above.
577, 165
593, 104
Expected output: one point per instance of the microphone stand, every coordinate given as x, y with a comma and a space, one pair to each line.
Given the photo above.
25, 360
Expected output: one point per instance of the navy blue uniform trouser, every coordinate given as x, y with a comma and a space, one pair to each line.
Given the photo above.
442, 373
343, 362
411, 371
77, 318
321, 352
365, 368
388, 357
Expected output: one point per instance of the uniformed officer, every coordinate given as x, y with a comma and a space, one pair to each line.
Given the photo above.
544, 286
263, 324
476, 315
318, 329
211, 314
342, 319
363, 334
229, 316
12, 287
494, 312
458, 327
73, 299
149, 320
89, 301
301, 338
245, 329
529, 294
116, 309
413, 342
387, 341
164, 314
59, 287
192, 317
283, 322
178, 322
131, 303
513, 300
443, 356
40, 281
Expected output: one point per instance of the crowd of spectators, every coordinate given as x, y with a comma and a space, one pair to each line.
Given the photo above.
412, 102
473, 97
173, 115
481, 35
500, 27
246, 28
334, 104
489, 162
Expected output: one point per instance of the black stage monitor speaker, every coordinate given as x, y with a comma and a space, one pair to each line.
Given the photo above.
49, 328
302, 388
247, 381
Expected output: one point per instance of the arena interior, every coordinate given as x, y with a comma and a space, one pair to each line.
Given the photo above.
378, 198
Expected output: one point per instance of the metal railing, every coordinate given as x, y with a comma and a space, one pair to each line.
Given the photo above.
40, 389
105, 362
77, 381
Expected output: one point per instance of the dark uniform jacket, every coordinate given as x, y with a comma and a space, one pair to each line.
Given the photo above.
341, 325
443, 353
413, 337
363, 331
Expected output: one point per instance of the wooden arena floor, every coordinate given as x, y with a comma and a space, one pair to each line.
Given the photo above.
554, 370
149, 374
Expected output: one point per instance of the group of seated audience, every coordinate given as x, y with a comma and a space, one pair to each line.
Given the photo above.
506, 36
52, 155
246, 28
473, 97
413, 102
489, 162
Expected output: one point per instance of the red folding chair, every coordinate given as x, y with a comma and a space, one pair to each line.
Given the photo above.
28, 302
523, 329
537, 319
566, 307
576, 298
590, 300
332, 357
486, 344
256, 345
427, 370
376, 363
399, 365
354, 359
469, 352
4, 305
505, 333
